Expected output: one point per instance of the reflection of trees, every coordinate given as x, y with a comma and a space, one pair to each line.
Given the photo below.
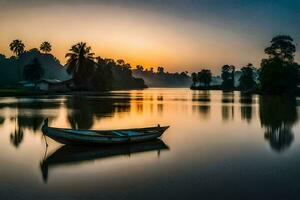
81, 115
28, 115
2, 119
278, 114
31, 112
16, 137
160, 108
83, 110
227, 105
246, 107
33, 122
203, 97
139, 106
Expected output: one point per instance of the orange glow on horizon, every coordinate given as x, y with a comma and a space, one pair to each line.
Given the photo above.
137, 36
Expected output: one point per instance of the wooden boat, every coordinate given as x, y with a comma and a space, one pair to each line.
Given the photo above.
71, 155
72, 136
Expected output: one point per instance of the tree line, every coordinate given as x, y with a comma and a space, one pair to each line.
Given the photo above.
89, 72
279, 73
162, 78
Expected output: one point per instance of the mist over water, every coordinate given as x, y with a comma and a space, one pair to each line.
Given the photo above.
219, 145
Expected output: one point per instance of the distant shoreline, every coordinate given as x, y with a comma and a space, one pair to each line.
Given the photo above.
18, 92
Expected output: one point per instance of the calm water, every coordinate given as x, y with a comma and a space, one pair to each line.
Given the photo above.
219, 146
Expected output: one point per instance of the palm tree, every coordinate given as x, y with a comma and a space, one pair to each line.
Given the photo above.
80, 63
17, 47
46, 47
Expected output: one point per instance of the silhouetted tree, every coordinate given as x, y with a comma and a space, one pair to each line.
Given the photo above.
228, 77
204, 76
160, 70
121, 62
247, 79
279, 73
80, 64
17, 47
140, 67
282, 47
103, 77
33, 71
194, 79
46, 47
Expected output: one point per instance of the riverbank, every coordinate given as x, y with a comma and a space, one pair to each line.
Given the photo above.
20, 92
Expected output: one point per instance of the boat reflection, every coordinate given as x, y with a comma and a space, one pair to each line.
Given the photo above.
72, 155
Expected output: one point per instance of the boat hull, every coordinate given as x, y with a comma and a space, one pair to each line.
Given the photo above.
69, 136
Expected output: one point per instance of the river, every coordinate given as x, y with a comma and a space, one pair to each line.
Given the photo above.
219, 146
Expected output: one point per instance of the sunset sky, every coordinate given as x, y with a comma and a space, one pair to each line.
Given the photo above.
178, 34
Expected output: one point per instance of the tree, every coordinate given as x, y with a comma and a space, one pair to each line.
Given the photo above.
33, 71
282, 47
140, 67
17, 47
121, 62
46, 47
194, 79
247, 79
103, 77
279, 73
80, 64
160, 70
205, 76
228, 77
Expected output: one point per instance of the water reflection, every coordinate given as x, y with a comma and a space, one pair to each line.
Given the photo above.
203, 98
80, 113
227, 106
246, 107
278, 114
29, 113
17, 136
26, 114
226, 130
72, 155
83, 110
2, 119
